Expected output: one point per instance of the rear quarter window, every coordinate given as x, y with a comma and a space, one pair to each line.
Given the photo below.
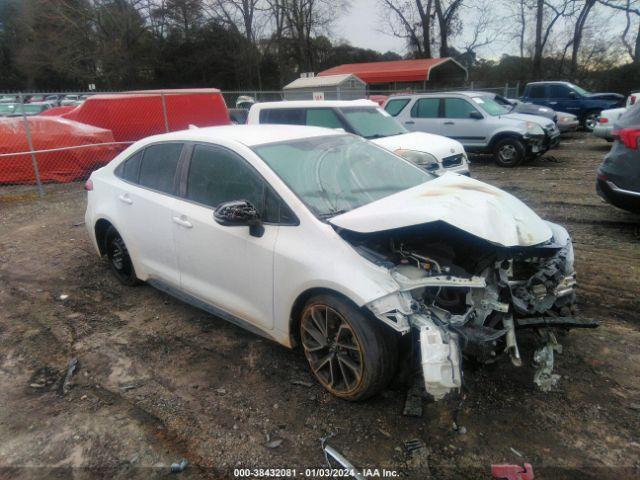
158, 168
129, 169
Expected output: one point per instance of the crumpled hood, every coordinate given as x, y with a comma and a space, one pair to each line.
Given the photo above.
436, 145
468, 204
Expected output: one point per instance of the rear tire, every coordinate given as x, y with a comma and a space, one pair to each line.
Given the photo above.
119, 259
509, 152
590, 121
351, 355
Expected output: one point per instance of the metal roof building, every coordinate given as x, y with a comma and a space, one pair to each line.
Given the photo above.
327, 87
404, 73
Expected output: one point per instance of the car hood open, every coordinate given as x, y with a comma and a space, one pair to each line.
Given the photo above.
470, 205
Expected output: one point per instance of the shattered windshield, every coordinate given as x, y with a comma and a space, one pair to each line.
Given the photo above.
335, 174
372, 122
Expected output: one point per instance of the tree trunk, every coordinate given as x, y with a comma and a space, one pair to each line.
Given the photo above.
425, 17
577, 36
537, 53
636, 50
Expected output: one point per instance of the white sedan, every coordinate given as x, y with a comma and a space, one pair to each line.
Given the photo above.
319, 238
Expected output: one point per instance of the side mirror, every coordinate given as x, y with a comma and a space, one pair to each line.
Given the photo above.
476, 115
239, 213
573, 95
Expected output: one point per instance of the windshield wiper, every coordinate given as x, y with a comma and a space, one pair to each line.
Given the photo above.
332, 213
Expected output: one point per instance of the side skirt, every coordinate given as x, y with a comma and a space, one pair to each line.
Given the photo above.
207, 307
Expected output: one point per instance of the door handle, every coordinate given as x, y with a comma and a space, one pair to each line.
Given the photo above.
183, 222
553, 103
410, 122
124, 198
449, 123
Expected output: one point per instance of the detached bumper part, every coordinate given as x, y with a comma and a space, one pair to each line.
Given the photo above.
440, 359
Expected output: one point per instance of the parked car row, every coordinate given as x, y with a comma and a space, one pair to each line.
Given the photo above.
55, 100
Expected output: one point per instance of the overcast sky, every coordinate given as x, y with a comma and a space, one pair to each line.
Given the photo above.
362, 27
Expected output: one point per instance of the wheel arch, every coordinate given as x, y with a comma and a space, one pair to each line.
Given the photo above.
501, 136
303, 298
100, 229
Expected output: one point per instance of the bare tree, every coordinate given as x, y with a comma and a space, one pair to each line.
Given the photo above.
445, 15
551, 12
629, 7
483, 31
577, 34
411, 24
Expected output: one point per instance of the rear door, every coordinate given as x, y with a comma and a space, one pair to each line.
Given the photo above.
424, 116
538, 94
221, 265
459, 125
145, 200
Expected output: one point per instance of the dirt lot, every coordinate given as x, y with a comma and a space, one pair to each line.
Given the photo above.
159, 381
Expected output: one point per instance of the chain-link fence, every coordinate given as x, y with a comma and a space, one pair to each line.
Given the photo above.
51, 137
48, 138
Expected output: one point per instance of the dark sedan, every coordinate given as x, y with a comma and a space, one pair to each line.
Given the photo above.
618, 180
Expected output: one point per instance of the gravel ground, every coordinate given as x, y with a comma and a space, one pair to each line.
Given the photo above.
159, 381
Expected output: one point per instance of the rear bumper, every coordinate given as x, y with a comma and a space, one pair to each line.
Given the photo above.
565, 127
619, 197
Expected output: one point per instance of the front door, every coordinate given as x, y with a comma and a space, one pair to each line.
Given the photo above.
459, 125
224, 265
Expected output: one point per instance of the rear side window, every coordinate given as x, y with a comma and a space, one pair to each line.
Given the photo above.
458, 108
394, 107
323, 117
283, 116
426, 108
159, 165
128, 170
537, 91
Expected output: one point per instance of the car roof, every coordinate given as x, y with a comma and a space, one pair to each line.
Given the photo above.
248, 135
464, 93
316, 103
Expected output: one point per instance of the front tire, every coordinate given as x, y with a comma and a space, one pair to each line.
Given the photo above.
348, 353
119, 259
509, 152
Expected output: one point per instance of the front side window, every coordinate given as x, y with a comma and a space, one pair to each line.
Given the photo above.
426, 108
395, 106
372, 122
458, 108
337, 173
217, 175
158, 168
559, 91
323, 117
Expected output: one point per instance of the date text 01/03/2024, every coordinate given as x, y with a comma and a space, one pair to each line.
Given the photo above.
313, 473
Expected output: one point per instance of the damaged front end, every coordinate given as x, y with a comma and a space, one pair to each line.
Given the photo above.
461, 295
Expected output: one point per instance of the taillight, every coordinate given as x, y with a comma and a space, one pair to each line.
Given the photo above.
628, 136
632, 100
603, 120
88, 185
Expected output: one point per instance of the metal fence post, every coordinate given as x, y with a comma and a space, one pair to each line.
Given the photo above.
30, 143
164, 111
506, 90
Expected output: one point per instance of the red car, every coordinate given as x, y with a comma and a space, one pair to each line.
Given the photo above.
112, 119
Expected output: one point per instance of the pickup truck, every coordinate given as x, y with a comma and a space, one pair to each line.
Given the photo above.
567, 97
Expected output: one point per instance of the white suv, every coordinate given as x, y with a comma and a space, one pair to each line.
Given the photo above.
319, 238
434, 153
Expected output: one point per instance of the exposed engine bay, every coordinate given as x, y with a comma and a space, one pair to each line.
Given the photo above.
461, 295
